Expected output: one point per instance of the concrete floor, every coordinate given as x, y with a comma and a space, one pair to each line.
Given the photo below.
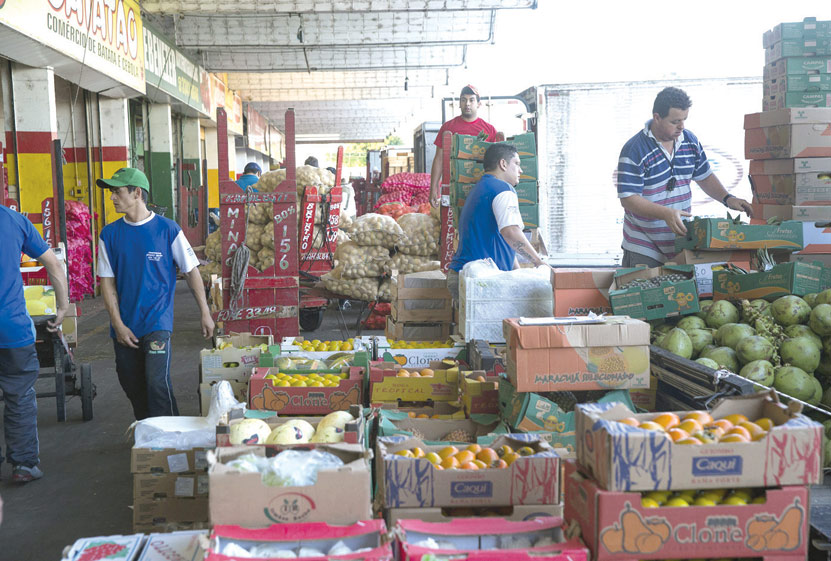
87, 487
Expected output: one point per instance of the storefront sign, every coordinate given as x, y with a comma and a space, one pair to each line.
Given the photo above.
257, 128
167, 69
221, 96
105, 35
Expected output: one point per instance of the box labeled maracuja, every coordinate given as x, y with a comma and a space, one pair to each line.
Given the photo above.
613, 354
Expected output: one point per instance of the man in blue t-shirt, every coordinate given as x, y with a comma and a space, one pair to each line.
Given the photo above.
250, 175
490, 224
137, 260
19, 365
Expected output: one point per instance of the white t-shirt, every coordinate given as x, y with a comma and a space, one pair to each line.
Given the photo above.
506, 210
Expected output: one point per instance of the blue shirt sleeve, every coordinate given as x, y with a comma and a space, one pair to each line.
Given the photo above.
630, 174
33, 244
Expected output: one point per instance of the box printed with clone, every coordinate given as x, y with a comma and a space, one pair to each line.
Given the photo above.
416, 358
488, 539
264, 393
339, 496
580, 291
610, 355
626, 458
335, 542
616, 526
631, 293
414, 482
803, 132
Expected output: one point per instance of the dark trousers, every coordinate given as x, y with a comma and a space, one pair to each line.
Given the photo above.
632, 259
18, 372
144, 374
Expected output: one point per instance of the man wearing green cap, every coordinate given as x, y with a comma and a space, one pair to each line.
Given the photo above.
137, 260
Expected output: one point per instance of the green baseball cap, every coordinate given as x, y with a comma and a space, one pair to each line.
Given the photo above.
124, 178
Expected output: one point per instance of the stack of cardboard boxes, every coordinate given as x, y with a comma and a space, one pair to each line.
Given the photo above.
396, 161
421, 307
797, 65
466, 169
637, 494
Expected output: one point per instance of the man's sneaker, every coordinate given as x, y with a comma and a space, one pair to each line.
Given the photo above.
23, 474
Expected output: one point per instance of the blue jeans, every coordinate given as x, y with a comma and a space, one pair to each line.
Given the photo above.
18, 372
144, 375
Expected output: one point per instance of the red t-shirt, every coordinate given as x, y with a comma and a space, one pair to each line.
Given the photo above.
457, 125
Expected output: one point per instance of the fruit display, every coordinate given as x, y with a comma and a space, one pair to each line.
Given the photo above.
312, 380
289, 468
330, 429
699, 427
401, 344
785, 344
703, 497
470, 457
424, 373
316, 345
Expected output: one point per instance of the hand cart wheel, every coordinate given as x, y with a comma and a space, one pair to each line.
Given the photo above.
87, 391
311, 318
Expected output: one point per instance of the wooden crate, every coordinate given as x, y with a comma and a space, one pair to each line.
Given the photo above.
421, 297
417, 331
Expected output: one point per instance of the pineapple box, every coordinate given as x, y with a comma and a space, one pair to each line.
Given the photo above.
289, 490
407, 481
255, 427
577, 353
302, 540
617, 526
417, 354
389, 382
266, 390
654, 293
622, 457
479, 392
724, 233
540, 539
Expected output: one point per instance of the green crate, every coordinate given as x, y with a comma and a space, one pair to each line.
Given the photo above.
723, 233
526, 144
466, 171
467, 147
788, 278
530, 215
669, 299
529, 169
526, 192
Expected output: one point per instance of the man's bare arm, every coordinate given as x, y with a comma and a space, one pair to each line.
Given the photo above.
517, 240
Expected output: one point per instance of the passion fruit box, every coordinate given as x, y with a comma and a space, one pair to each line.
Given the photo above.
488, 539
721, 233
353, 432
580, 291
336, 542
414, 482
616, 526
340, 495
480, 392
787, 278
568, 354
671, 298
263, 393
625, 458
387, 386
417, 358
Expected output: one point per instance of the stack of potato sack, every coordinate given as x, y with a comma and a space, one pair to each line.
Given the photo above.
379, 244
260, 235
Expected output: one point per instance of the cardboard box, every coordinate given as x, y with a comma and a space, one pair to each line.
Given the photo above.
526, 192
421, 297
164, 511
433, 431
236, 362
525, 143
264, 394
530, 215
633, 459
369, 536
436, 410
787, 166
466, 171
353, 432
798, 47
171, 527
580, 291
128, 547
788, 278
414, 482
807, 28
823, 258
817, 238
720, 233
240, 389
613, 354
168, 460
797, 66
645, 398
416, 358
488, 539
797, 83
789, 212
808, 188
608, 520
704, 261
447, 514
668, 299
532, 412
468, 147
289, 347
386, 386
417, 331
339, 496
788, 133
784, 100
152, 486
177, 545
69, 326
530, 171
480, 397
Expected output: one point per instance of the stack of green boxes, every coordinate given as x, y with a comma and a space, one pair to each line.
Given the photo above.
797, 65
466, 169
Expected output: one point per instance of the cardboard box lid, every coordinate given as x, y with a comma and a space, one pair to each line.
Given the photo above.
425, 279
789, 165
615, 331
791, 115
582, 278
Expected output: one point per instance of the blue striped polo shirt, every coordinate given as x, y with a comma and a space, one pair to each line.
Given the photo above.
644, 169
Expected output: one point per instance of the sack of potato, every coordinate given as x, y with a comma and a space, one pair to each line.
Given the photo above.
361, 260
309, 176
213, 246
385, 290
404, 263
376, 229
364, 288
421, 234
270, 180
347, 223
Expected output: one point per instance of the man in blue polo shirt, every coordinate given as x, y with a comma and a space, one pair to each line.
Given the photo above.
19, 365
490, 224
137, 260
654, 173
250, 175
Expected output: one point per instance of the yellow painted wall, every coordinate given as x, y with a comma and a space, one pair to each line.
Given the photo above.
109, 215
213, 188
35, 180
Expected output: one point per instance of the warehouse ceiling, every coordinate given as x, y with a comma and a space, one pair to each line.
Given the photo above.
352, 69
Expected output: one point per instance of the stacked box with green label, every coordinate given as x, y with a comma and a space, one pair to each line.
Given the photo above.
466, 169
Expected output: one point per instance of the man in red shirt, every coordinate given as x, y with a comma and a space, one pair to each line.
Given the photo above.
466, 123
